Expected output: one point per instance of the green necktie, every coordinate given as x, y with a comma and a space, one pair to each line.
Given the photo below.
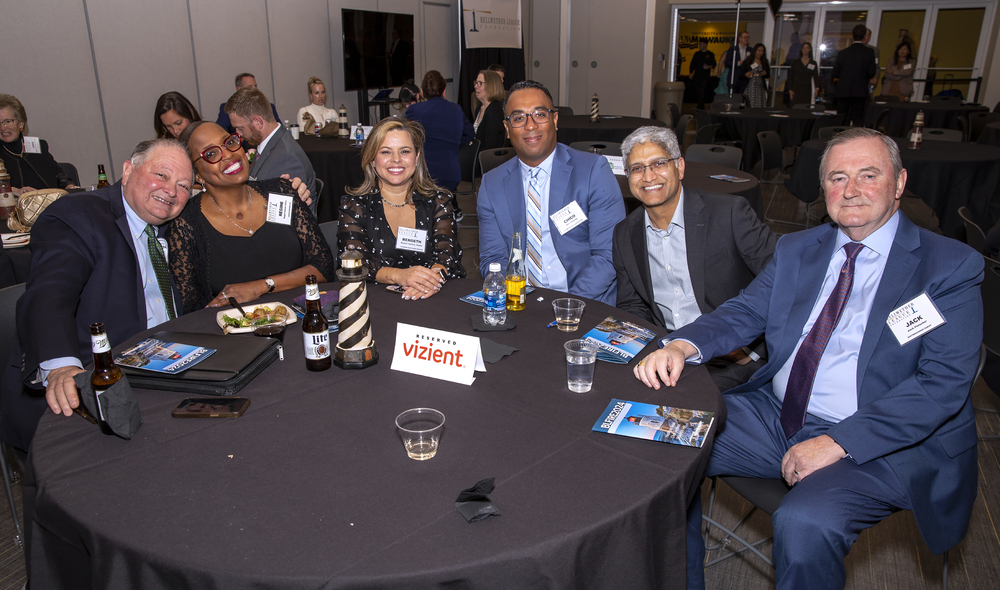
160, 266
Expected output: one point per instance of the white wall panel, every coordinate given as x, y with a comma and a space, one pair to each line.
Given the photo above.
300, 48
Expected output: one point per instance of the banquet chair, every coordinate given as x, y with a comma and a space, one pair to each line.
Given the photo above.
8, 327
70, 171
468, 154
706, 134
882, 116
565, 111
827, 133
939, 134
723, 155
330, 229
772, 172
490, 159
680, 128
604, 148
766, 495
977, 121
675, 113
319, 191
975, 237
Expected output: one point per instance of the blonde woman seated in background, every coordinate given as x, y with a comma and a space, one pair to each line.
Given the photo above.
316, 107
399, 199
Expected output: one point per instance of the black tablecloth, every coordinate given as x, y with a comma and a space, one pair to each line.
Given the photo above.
337, 164
14, 262
902, 114
990, 134
793, 125
609, 128
945, 175
311, 487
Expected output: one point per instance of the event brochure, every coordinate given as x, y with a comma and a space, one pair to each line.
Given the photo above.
728, 178
329, 302
163, 357
479, 298
676, 426
618, 341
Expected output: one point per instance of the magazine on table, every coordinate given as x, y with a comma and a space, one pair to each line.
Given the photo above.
163, 357
618, 341
329, 302
676, 426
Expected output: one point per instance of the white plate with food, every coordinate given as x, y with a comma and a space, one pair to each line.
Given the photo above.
16, 240
232, 321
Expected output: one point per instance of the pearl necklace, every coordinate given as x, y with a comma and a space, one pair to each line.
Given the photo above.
250, 199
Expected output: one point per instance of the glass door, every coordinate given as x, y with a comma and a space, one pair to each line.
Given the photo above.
896, 28
791, 30
836, 36
953, 51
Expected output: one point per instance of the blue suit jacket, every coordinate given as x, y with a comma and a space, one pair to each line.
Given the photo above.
585, 250
914, 408
283, 155
446, 130
83, 270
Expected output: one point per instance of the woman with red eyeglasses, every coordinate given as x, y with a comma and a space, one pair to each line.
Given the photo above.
224, 244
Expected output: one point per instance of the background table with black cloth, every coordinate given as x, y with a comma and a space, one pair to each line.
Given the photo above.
793, 125
14, 262
337, 164
696, 175
901, 115
946, 175
312, 488
990, 134
608, 128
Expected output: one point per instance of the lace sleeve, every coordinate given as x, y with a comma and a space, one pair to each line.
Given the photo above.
352, 233
189, 258
447, 250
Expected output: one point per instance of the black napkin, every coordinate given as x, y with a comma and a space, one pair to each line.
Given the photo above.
494, 351
121, 409
480, 326
474, 503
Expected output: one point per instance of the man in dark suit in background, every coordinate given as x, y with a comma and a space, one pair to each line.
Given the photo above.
685, 252
873, 330
277, 152
701, 70
854, 67
244, 80
94, 258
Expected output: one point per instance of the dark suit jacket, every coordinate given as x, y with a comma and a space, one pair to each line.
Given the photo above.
83, 270
727, 246
491, 132
446, 129
914, 409
585, 250
854, 67
282, 155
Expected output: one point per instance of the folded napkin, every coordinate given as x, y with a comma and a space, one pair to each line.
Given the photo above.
119, 405
475, 504
494, 351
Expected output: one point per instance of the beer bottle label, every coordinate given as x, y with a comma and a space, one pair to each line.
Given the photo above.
317, 346
102, 177
100, 343
312, 292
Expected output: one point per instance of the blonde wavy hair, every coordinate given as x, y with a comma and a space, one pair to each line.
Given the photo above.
421, 182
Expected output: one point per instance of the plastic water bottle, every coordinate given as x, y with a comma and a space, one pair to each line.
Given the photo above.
495, 293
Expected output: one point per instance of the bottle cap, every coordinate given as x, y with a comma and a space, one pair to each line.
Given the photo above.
494, 267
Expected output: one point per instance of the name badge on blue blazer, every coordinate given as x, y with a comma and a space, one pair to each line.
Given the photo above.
914, 318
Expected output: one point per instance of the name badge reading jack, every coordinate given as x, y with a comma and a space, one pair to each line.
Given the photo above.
914, 318
279, 208
32, 145
411, 239
568, 217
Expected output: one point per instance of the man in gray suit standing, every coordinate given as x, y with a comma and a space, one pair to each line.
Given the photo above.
685, 252
277, 153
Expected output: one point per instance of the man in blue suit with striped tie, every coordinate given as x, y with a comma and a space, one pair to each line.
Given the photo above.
564, 202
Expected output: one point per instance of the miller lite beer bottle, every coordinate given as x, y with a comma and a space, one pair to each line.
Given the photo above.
315, 330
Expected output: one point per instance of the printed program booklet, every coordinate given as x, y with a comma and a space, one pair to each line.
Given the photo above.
329, 302
163, 357
479, 298
676, 426
618, 341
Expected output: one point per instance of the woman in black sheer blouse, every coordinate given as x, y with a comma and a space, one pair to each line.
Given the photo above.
221, 245
401, 222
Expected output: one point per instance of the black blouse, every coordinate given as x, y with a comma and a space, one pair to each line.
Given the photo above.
204, 260
363, 227
35, 170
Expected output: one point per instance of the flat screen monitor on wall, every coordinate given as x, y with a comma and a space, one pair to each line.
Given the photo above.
378, 49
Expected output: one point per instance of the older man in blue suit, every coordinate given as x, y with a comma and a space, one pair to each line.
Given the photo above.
565, 202
873, 328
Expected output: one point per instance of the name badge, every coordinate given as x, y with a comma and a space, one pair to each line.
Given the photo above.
907, 66
437, 354
411, 239
811, 66
914, 318
32, 145
617, 165
279, 208
568, 217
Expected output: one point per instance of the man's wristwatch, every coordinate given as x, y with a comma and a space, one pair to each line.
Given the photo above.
270, 284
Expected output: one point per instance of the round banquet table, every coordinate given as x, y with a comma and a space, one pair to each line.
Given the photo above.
311, 487
793, 125
337, 164
15, 261
902, 114
696, 175
945, 175
609, 128
990, 134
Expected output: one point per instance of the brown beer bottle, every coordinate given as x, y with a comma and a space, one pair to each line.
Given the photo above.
315, 330
102, 178
917, 133
106, 372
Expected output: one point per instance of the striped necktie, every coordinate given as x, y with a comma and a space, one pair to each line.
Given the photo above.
160, 266
533, 208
